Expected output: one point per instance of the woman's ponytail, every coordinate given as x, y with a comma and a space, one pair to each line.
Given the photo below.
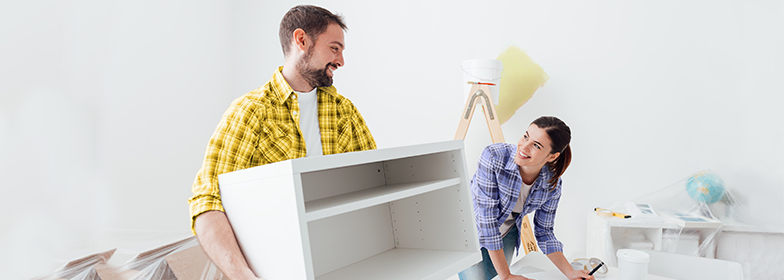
558, 167
560, 136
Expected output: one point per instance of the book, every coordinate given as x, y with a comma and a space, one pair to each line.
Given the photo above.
641, 210
694, 221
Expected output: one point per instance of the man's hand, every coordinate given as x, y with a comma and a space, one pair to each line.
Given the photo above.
217, 240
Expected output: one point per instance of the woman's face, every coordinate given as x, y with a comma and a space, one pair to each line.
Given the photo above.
534, 148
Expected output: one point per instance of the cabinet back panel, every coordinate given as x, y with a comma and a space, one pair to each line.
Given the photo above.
344, 239
437, 220
326, 183
435, 166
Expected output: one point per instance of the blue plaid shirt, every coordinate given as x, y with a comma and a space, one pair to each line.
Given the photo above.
496, 188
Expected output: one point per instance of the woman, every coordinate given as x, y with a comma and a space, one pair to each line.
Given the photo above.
511, 182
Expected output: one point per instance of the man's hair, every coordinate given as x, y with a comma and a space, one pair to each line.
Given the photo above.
311, 19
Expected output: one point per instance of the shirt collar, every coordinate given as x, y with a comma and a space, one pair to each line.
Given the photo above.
510, 164
280, 87
283, 90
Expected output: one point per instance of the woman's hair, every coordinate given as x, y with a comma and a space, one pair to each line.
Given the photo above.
560, 136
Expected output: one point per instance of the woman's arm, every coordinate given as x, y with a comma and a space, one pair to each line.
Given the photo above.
563, 265
486, 199
499, 262
558, 259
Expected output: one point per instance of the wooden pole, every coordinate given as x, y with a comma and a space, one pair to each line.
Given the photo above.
480, 95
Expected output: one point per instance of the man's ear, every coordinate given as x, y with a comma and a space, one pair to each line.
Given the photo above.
301, 39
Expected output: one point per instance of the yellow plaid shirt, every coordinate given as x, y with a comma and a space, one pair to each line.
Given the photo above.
262, 127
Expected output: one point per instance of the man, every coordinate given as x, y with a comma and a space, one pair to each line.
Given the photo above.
295, 114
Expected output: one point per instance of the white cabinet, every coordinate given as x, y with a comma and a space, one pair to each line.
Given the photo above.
606, 235
397, 213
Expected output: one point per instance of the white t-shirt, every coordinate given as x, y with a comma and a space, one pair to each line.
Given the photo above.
308, 122
510, 221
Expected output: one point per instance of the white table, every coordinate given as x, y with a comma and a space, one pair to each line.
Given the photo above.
538, 266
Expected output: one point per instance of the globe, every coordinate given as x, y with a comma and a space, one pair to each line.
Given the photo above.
706, 187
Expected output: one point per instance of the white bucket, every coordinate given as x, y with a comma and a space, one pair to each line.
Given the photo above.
482, 71
632, 264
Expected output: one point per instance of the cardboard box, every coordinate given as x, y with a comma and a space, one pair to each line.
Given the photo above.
181, 260
82, 268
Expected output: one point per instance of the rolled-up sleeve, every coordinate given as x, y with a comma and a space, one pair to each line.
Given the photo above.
484, 188
544, 221
231, 147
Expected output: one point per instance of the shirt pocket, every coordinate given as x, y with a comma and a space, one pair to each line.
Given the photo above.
345, 140
274, 144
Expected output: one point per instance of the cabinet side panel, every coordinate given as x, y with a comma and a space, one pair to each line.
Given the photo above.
442, 165
326, 183
344, 239
263, 214
437, 220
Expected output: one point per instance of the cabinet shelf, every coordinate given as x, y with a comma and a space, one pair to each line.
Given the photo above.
418, 264
398, 213
608, 234
330, 206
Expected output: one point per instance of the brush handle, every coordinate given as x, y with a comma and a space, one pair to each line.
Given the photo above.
596, 268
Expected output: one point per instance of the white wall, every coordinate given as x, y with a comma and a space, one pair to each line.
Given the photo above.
653, 91
106, 108
105, 113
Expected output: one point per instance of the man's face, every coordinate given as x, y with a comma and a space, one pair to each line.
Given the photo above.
323, 57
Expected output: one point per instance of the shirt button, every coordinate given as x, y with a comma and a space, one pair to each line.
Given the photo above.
294, 96
294, 113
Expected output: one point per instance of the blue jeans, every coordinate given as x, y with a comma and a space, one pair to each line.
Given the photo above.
485, 270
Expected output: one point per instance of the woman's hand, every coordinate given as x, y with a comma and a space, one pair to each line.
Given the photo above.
563, 265
579, 275
499, 263
514, 277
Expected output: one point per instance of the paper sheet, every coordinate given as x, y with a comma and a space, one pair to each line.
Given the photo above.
546, 275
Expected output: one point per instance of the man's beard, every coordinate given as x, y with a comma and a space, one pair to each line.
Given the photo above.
314, 76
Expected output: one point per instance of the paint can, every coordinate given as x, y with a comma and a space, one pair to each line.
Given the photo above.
482, 71
632, 264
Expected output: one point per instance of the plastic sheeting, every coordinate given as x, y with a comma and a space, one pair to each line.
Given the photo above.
675, 219
180, 260
81, 268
